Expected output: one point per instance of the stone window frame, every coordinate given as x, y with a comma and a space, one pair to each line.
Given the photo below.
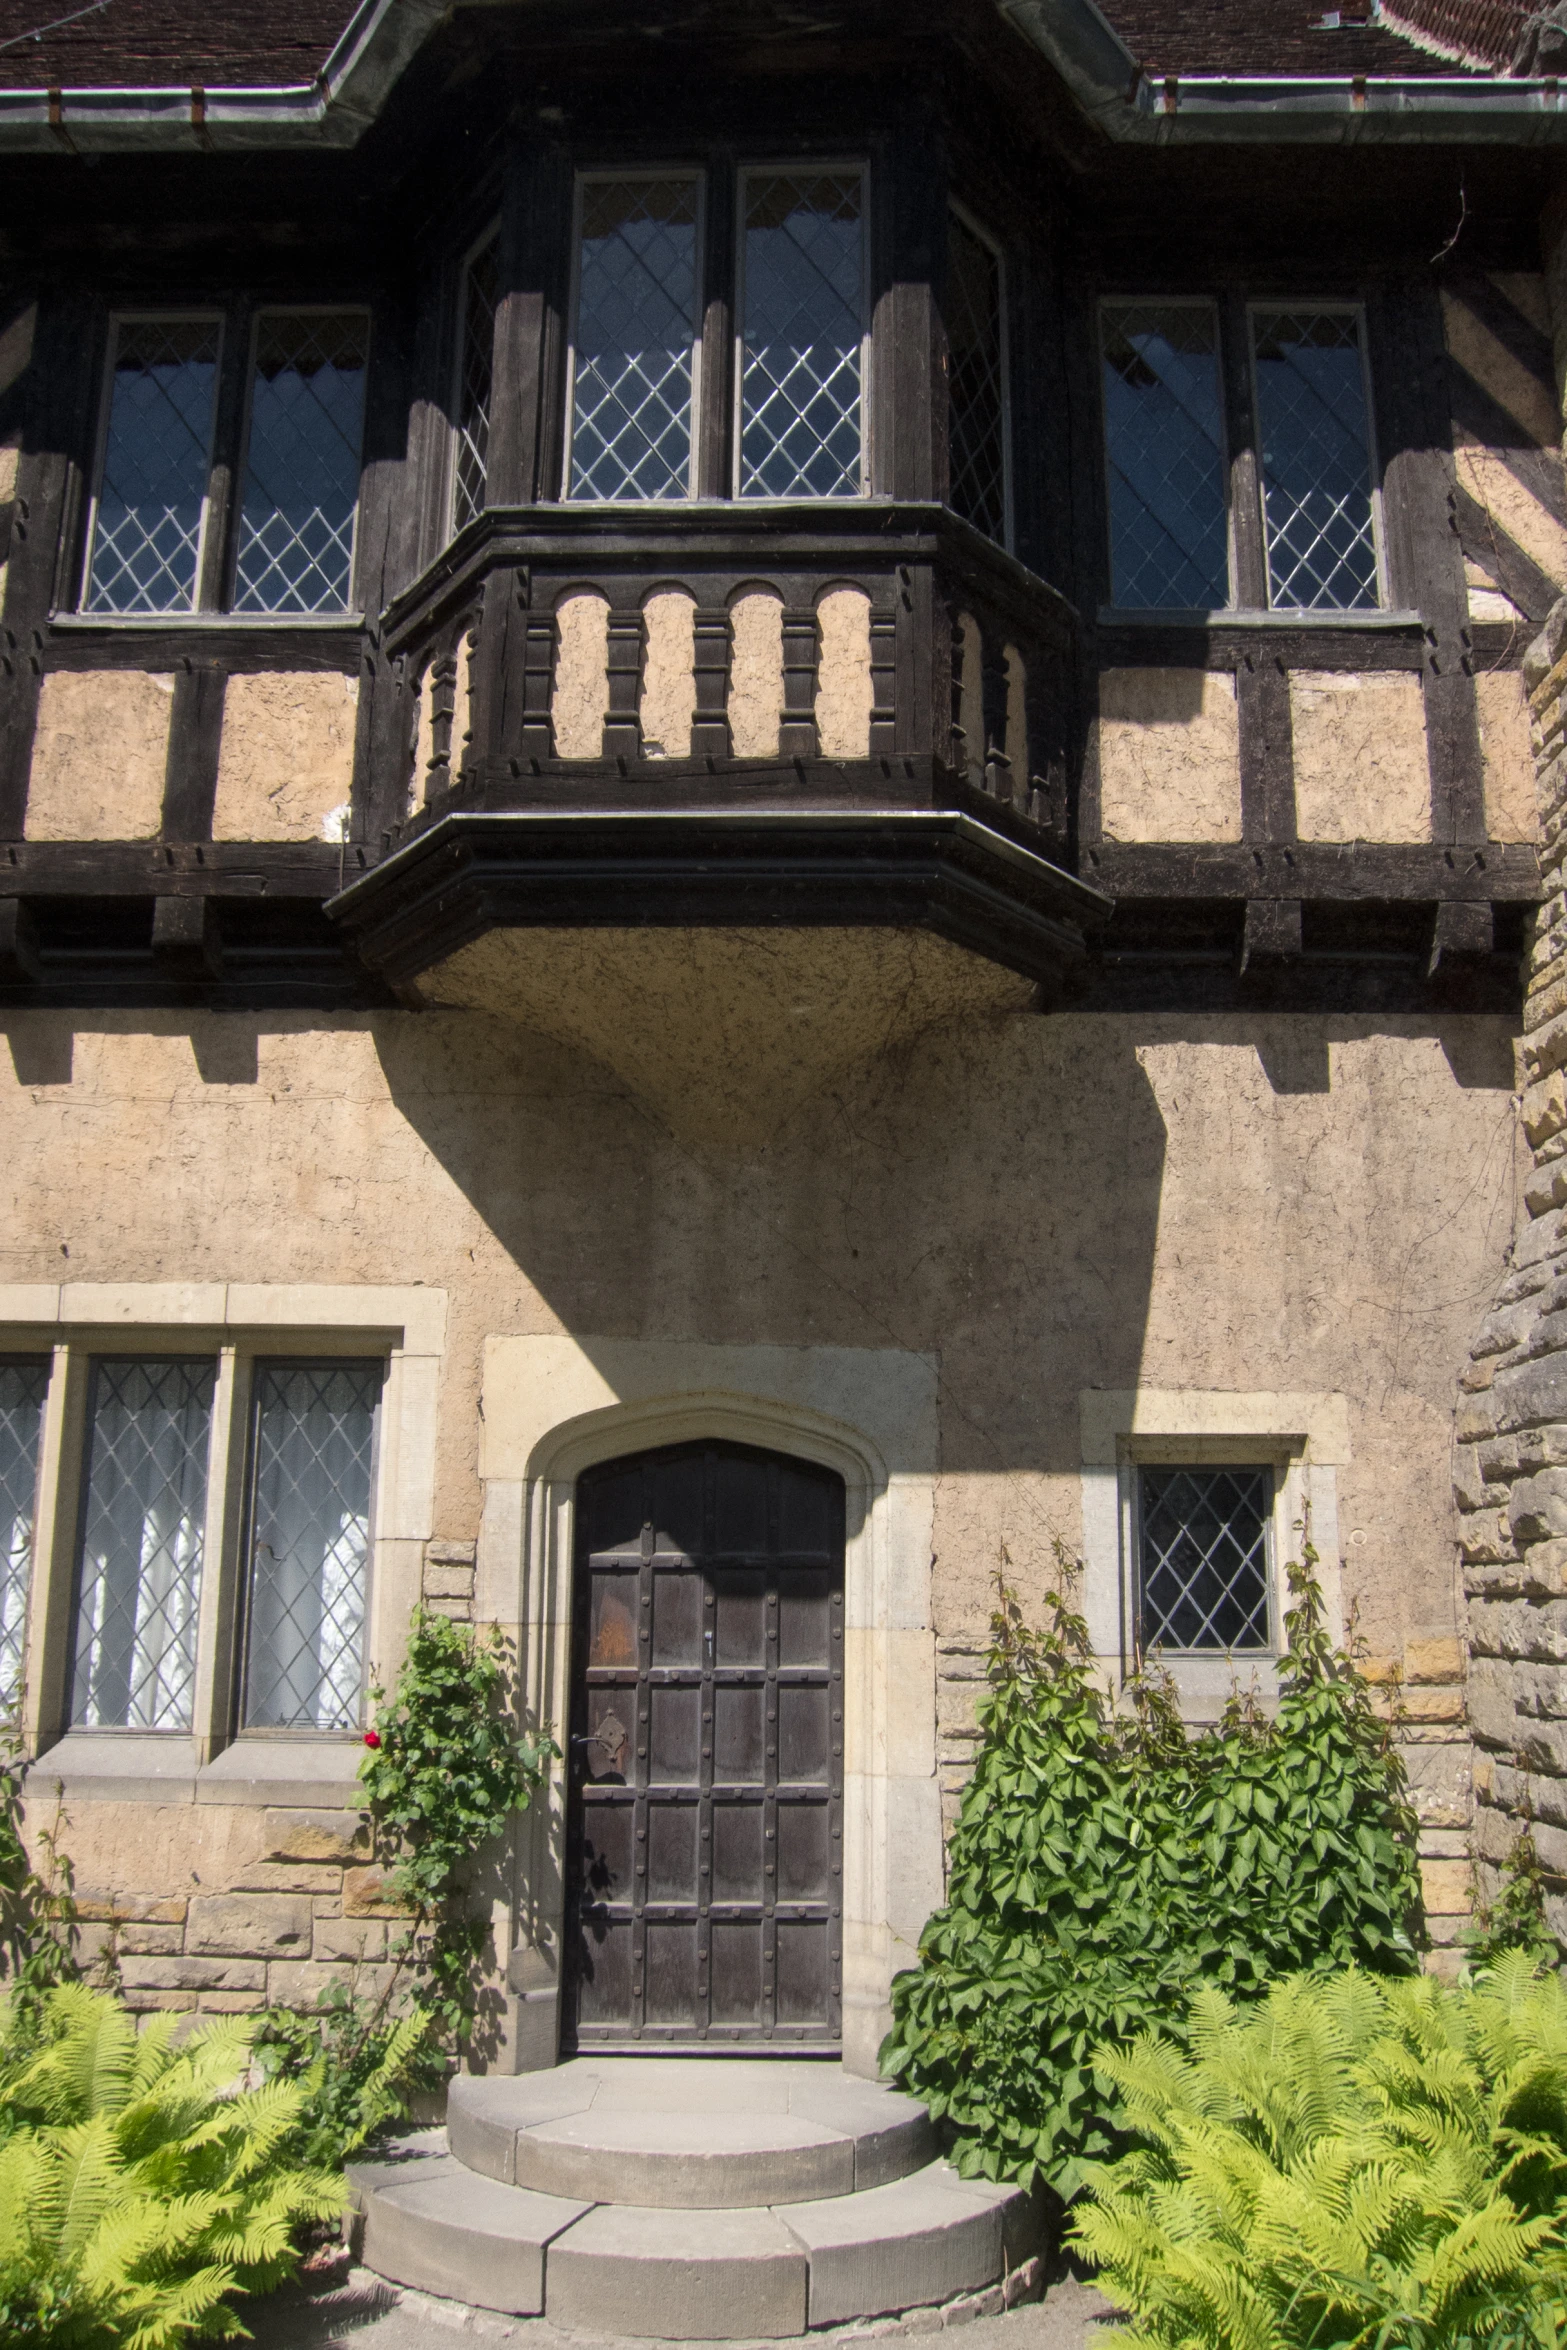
219, 1761
1304, 1437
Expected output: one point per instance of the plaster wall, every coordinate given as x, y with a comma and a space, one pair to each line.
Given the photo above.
286, 760
1169, 755
1361, 771
1037, 1206
99, 752
1512, 805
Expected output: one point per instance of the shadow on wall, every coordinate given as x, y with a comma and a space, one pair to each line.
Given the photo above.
988, 1194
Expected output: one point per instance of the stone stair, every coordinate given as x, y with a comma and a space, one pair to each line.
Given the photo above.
681, 2199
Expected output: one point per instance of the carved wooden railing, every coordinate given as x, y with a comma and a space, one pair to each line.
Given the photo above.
855, 655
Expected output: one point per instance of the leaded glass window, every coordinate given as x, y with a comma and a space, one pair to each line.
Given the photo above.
296, 525
1164, 444
634, 344
312, 1446
802, 334
976, 404
23, 1386
157, 455
139, 1561
1203, 1558
475, 373
1314, 430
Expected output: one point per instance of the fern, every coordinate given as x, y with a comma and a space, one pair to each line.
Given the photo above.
142, 2182
1353, 2160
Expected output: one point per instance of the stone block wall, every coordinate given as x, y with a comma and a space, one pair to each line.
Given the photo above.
1511, 1458
256, 1905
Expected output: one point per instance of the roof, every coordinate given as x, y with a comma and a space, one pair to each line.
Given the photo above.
151, 44
1310, 37
226, 44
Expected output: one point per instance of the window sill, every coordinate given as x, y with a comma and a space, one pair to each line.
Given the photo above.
310, 1772
1234, 616
149, 623
1205, 1684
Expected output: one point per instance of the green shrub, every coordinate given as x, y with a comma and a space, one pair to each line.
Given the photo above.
1103, 1869
141, 2184
356, 2069
1352, 2161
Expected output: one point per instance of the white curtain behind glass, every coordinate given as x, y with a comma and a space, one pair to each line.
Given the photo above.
139, 1568
313, 1445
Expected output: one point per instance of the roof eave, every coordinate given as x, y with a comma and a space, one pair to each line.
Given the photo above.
1105, 79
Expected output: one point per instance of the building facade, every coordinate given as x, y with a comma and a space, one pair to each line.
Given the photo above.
770, 837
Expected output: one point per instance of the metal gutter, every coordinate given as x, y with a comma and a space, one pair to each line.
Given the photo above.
376, 45
1105, 79
1112, 89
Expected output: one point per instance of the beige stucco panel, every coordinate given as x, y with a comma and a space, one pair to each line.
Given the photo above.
756, 674
1490, 481
1361, 771
1512, 803
1169, 755
286, 764
580, 702
668, 679
1510, 383
99, 754
843, 693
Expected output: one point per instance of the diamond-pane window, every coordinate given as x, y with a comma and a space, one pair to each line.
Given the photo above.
296, 523
312, 1444
157, 455
23, 1386
635, 341
138, 1576
1203, 1566
1315, 441
475, 372
975, 403
1164, 444
801, 337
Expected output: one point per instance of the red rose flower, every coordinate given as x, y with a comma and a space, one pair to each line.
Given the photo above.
372, 1738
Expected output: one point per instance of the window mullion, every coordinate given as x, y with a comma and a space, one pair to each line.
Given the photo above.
1248, 555
222, 486
716, 352
212, 1704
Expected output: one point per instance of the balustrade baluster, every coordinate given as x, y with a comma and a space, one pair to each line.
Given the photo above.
797, 735
884, 672
994, 687
540, 637
711, 656
627, 651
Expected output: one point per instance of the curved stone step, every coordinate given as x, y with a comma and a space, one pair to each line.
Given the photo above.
679, 2135
686, 2275
910, 2244
431, 2223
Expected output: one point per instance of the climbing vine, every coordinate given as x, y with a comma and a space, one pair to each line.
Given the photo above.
1106, 1865
445, 1771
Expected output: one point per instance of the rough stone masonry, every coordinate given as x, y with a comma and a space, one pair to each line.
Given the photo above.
1511, 1458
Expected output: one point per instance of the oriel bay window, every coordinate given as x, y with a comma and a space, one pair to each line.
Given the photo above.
1289, 518
637, 362
161, 538
212, 1527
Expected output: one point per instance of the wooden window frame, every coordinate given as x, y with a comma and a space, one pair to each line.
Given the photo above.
798, 167
1246, 531
136, 315
994, 246
491, 234
582, 177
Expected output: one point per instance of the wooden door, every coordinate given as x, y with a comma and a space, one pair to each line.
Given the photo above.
705, 1804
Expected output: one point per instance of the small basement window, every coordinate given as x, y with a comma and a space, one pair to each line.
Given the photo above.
1204, 1569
